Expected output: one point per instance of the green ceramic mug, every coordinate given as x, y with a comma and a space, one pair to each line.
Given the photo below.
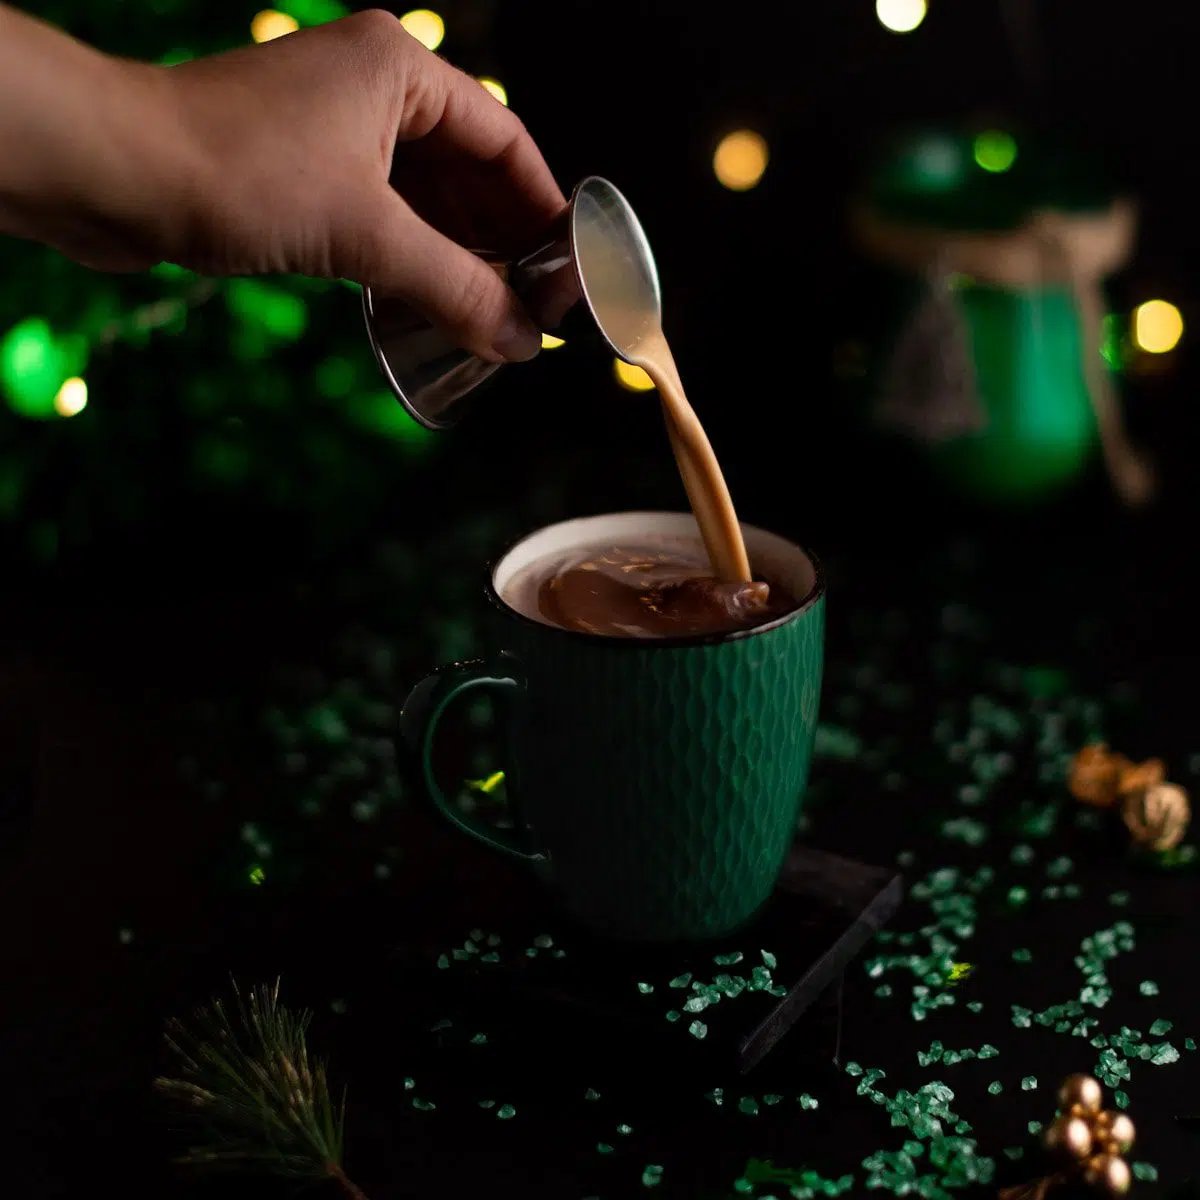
654, 783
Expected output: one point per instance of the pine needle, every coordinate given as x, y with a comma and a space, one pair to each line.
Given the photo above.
246, 1079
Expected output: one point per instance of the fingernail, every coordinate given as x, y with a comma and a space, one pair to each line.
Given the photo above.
518, 339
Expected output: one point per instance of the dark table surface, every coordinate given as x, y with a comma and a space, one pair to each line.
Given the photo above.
177, 746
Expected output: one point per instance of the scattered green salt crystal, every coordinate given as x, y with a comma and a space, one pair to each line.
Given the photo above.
748, 1105
491, 957
423, 1105
926, 1058
443, 962
905, 858
409, 1083
487, 1104
717, 1096
853, 1068
681, 981
1119, 899
624, 1130
645, 988
995, 1087
1145, 1171
1021, 1017
1189, 1043
673, 1015
531, 952
338, 1006
1034, 1127
1022, 955
459, 955
1059, 867
1160, 1027
555, 953
807, 1102
438, 1026
652, 1175
505, 1112
1099, 1041
883, 990
988, 1051
603, 1148
1121, 1099
698, 1030
772, 1098
769, 960
591, 1094
1148, 987
469, 947
1022, 854
743, 1186
728, 960
1016, 1152
1072, 891
1029, 1083
479, 1039
493, 939
975, 1006
1164, 1053
1017, 896
543, 941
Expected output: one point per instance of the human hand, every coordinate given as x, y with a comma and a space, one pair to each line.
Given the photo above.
277, 158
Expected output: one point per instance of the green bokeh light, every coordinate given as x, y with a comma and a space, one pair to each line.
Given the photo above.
34, 364
279, 313
382, 413
312, 12
995, 151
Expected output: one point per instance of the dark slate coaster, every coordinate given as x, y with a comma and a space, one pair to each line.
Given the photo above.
578, 998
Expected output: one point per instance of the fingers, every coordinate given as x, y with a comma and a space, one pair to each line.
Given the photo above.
455, 113
453, 288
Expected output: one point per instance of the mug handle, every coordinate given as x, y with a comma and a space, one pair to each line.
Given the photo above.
420, 716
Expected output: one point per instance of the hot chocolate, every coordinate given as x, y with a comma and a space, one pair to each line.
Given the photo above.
647, 592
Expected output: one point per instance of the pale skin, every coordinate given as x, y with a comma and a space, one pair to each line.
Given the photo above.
344, 151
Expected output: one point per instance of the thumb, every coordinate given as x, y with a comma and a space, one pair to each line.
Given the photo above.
453, 288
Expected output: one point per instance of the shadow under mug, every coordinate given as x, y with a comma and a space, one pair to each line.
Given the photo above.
654, 783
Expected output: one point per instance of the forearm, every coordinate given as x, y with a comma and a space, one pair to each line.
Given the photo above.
85, 139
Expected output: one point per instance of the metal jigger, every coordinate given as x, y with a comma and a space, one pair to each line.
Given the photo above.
593, 278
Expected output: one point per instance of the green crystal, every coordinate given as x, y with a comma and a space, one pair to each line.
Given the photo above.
995, 1087
603, 1148
1121, 1099
681, 981
505, 1112
1145, 1171
423, 1105
591, 1094
698, 1030
1028, 1083
645, 988
976, 1006
807, 1102
1160, 1027
624, 1130
1148, 987
1022, 956
652, 1175
748, 1105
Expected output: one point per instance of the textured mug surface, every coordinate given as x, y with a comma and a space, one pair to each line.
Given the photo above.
655, 783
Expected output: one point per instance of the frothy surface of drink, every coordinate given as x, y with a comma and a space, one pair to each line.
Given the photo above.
617, 592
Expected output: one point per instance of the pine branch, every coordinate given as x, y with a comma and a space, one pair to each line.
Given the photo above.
246, 1078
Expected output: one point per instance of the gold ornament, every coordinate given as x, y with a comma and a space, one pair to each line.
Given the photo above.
1095, 776
1137, 777
1157, 817
1107, 1173
1070, 1137
1113, 1133
1081, 1090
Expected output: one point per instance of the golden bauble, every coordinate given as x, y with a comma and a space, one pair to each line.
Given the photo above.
1114, 1131
1107, 1173
1137, 777
1081, 1090
1069, 1136
1095, 775
1157, 817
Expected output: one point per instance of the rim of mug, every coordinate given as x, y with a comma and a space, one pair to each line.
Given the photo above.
815, 594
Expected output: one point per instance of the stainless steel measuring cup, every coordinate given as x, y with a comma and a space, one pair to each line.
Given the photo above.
592, 278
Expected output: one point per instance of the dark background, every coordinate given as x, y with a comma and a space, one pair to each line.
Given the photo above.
150, 661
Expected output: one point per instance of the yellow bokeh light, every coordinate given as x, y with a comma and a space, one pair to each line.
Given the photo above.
550, 342
426, 26
269, 25
901, 16
72, 397
1157, 326
632, 378
495, 87
740, 160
